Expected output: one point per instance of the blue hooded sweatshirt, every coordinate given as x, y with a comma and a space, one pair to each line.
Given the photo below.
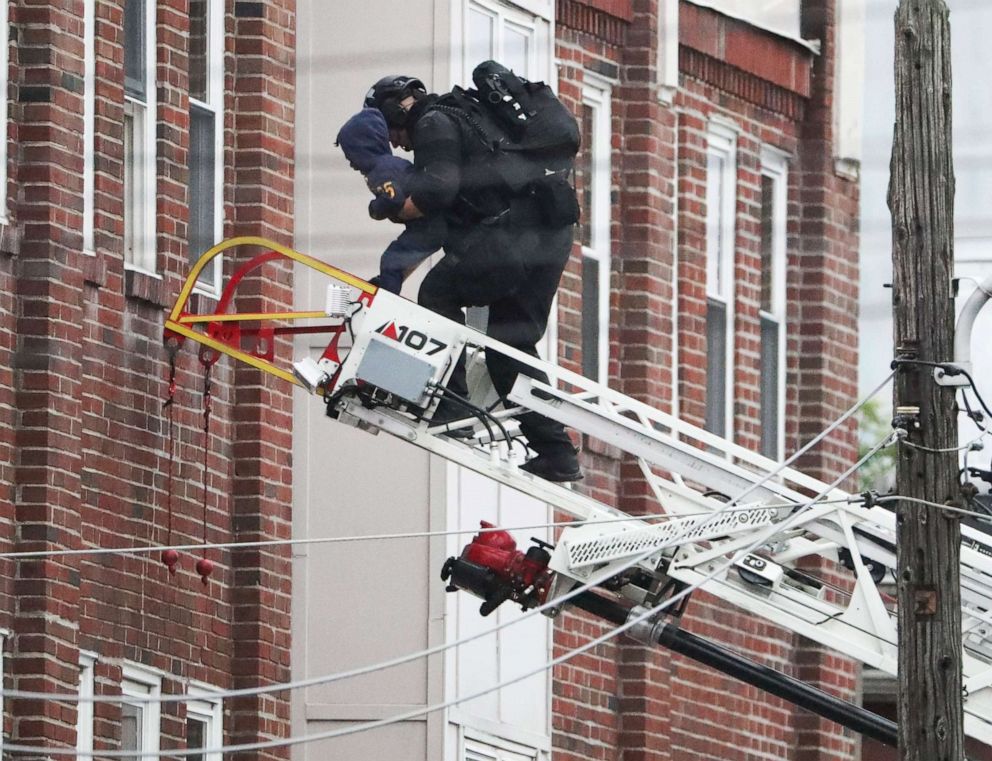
364, 139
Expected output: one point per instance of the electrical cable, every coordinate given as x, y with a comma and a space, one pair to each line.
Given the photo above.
139, 549
730, 506
423, 711
970, 446
976, 417
74, 697
949, 369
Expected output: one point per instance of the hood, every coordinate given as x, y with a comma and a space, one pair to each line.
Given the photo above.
364, 138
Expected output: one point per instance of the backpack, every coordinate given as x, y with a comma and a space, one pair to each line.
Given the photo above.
530, 138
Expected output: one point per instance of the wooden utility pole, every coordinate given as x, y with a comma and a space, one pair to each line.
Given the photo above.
921, 198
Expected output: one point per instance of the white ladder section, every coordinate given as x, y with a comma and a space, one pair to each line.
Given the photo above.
406, 353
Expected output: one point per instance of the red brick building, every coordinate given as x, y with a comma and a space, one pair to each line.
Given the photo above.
715, 276
121, 118
728, 234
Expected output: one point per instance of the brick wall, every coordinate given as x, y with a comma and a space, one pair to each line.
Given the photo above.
642, 702
85, 442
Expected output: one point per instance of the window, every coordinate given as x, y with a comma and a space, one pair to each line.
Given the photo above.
139, 719
84, 709
594, 177
139, 134
774, 188
206, 110
89, 108
3, 642
3, 112
204, 726
721, 200
782, 16
516, 39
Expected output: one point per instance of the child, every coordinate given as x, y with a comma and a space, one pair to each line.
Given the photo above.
364, 138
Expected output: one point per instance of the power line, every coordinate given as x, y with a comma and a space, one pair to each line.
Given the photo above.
423, 711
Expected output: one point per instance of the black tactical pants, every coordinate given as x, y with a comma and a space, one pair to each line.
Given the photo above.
514, 270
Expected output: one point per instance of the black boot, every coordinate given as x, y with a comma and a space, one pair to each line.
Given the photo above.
559, 465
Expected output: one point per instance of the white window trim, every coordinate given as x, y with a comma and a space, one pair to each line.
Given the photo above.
597, 93
139, 681
4, 635
84, 708
775, 164
722, 142
146, 250
89, 113
4, 113
210, 711
215, 103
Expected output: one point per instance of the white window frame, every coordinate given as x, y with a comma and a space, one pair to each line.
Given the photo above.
84, 708
596, 93
210, 711
89, 115
144, 256
775, 165
721, 218
142, 682
4, 634
4, 113
215, 103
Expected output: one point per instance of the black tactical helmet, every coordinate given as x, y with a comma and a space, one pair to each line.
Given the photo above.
387, 93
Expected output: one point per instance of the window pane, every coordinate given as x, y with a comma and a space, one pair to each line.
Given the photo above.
202, 186
198, 49
196, 735
584, 174
481, 43
516, 47
769, 387
716, 367
131, 728
590, 318
767, 242
714, 224
134, 48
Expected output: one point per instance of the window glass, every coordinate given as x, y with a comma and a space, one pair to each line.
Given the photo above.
201, 181
772, 315
721, 199
135, 55
594, 178
132, 719
198, 49
139, 136
196, 736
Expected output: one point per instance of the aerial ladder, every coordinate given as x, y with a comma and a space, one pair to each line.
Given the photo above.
732, 520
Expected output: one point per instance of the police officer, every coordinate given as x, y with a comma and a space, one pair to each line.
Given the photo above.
501, 252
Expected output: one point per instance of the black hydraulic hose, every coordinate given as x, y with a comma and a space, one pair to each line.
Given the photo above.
793, 690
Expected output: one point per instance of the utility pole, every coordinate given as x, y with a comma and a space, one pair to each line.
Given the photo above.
921, 198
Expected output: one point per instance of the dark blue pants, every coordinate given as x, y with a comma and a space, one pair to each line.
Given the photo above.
515, 272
